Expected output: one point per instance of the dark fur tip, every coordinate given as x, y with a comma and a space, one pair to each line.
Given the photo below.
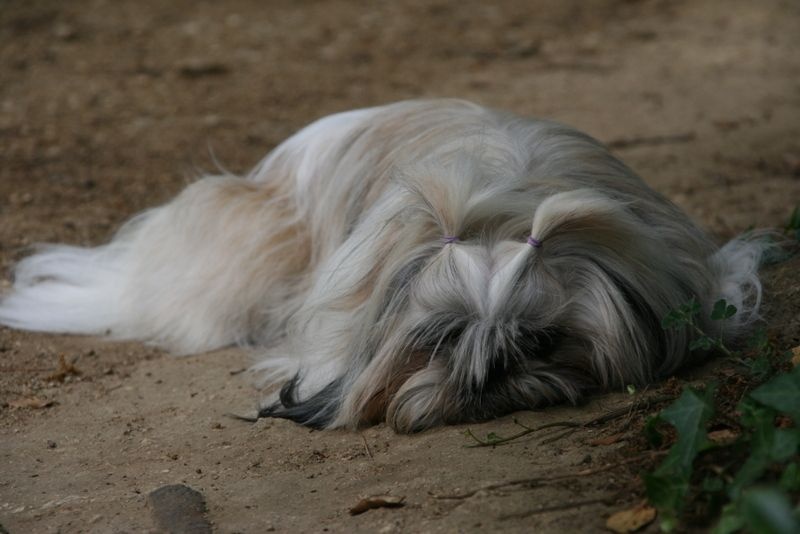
317, 411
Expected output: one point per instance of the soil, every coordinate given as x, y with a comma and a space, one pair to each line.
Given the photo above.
107, 108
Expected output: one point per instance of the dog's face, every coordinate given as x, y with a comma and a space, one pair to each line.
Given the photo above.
435, 327
476, 339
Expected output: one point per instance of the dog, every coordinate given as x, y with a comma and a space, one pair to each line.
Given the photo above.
419, 263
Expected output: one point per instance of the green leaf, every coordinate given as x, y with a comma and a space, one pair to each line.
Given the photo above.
785, 444
751, 470
760, 367
702, 342
755, 415
782, 393
672, 320
491, 437
689, 415
760, 419
769, 511
692, 307
759, 340
730, 520
684, 315
668, 523
654, 437
667, 494
794, 219
713, 484
790, 478
668, 485
722, 310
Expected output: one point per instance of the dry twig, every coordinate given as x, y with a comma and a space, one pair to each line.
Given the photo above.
533, 482
366, 446
644, 404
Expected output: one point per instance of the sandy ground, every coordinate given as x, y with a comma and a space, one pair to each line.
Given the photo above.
108, 107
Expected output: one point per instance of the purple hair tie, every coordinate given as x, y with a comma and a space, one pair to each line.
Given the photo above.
448, 239
535, 243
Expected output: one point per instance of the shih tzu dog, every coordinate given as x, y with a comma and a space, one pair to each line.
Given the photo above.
420, 263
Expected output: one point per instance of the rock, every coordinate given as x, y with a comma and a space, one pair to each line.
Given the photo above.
179, 509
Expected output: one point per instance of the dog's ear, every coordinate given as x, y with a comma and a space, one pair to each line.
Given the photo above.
420, 401
371, 393
569, 222
620, 280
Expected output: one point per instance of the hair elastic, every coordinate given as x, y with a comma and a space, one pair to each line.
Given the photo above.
448, 239
535, 243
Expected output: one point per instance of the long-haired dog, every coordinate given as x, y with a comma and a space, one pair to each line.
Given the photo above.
421, 263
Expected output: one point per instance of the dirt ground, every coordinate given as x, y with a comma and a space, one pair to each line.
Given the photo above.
107, 108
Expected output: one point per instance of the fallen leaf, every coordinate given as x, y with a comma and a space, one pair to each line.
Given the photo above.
631, 520
30, 402
796, 356
377, 501
723, 436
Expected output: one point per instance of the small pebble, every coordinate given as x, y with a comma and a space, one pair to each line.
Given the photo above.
179, 509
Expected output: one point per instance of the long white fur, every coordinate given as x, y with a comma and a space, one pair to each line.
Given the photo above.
330, 255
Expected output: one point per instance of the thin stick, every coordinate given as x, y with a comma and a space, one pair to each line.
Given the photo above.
539, 481
366, 446
556, 507
558, 436
602, 419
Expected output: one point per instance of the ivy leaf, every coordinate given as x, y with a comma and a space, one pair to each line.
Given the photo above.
785, 444
722, 310
689, 415
672, 320
782, 393
769, 511
654, 437
760, 419
666, 493
713, 484
692, 307
668, 485
759, 340
730, 520
790, 478
767, 445
751, 470
702, 342
760, 367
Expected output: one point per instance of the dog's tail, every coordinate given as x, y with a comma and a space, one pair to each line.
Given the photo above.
736, 267
204, 271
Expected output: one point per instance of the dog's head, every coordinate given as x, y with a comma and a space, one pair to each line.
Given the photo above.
457, 300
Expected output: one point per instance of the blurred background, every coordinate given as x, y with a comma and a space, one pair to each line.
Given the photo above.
114, 105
